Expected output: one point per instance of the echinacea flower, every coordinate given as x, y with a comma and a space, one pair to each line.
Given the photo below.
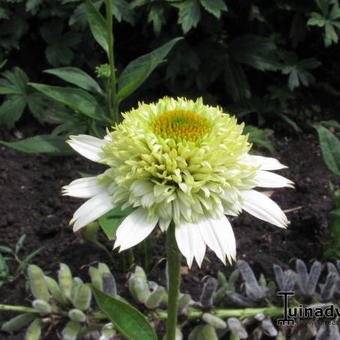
177, 161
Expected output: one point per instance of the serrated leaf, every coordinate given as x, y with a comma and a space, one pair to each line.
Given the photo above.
214, 7
110, 221
76, 99
156, 17
330, 147
122, 11
189, 14
51, 145
77, 77
97, 25
129, 321
137, 71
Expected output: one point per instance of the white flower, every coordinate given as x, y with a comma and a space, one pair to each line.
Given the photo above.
177, 161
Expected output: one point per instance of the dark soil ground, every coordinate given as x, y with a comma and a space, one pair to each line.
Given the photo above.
31, 204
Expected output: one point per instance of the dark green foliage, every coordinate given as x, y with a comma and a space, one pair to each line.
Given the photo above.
232, 53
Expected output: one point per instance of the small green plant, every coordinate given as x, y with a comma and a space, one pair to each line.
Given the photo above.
12, 265
237, 306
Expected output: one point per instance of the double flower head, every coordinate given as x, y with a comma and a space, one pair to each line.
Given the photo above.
177, 161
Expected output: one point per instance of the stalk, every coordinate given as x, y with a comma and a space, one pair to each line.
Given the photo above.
241, 313
111, 86
174, 262
18, 308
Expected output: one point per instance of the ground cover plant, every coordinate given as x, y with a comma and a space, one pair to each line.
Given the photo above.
176, 159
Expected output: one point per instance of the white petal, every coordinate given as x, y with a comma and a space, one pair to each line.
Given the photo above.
91, 210
267, 163
88, 146
190, 242
84, 188
262, 207
134, 229
266, 179
219, 237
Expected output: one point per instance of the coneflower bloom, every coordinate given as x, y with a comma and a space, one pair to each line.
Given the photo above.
177, 161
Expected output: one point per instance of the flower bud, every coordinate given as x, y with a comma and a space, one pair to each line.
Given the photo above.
96, 278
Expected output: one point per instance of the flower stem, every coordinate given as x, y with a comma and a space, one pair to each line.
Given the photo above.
174, 263
111, 86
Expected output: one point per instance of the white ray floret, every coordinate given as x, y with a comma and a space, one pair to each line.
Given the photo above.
262, 207
88, 146
190, 242
83, 188
267, 163
91, 210
219, 236
134, 229
266, 179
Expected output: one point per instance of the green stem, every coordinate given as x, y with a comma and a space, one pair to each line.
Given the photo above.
241, 313
112, 86
174, 263
18, 308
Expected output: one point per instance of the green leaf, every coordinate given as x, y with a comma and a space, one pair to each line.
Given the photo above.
189, 14
20, 243
32, 6
6, 249
97, 25
11, 110
129, 321
90, 233
76, 99
139, 69
112, 220
156, 17
77, 77
51, 145
259, 136
122, 11
330, 147
214, 7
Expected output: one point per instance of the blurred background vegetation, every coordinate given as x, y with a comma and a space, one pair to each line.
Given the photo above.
261, 60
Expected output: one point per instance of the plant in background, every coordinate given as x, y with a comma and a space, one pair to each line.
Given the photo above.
98, 105
328, 18
13, 264
165, 162
330, 147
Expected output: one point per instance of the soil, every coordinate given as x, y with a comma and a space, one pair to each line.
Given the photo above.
31, 204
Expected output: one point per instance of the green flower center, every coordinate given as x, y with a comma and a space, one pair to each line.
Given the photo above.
181, 125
